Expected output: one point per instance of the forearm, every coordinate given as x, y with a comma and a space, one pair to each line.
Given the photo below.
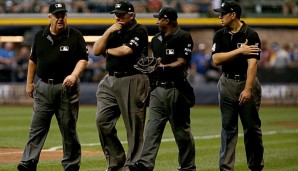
79, 68
99, 46
221, 57
120, 51
31, 72
251, 73
178, 63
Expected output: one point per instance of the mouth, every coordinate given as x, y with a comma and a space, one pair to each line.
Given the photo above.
60, 24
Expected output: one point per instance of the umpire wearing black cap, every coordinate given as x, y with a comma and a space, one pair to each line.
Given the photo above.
58, 57
171, 100
124, 90
236, 48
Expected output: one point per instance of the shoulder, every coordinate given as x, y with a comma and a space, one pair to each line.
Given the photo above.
74, 31
251, 30
221, 31
139, 28
155, 37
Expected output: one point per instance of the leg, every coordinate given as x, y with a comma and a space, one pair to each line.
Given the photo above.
153, 131
106, 117
180, 123
228, 102
132, 104
39, 128
67, 116
251, 122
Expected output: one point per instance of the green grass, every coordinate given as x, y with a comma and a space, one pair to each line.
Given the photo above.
280, 142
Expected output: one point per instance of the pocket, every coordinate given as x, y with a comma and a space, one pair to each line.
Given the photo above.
187, 92
142, 89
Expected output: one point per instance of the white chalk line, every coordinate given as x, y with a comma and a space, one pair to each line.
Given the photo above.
206, 137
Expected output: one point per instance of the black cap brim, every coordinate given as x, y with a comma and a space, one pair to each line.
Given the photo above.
156, 16
59, 10
220, 10
117, 11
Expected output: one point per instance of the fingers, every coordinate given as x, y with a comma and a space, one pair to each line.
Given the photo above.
246, 41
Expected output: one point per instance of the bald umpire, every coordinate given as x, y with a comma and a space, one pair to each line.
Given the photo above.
58, 57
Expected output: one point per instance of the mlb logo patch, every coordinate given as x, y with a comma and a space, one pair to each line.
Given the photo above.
170, 51
64, 48
58, 5
118, 6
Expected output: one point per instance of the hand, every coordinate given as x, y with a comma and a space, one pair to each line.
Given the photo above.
249, 49
69, 81
29, 89
244, 97
116, 27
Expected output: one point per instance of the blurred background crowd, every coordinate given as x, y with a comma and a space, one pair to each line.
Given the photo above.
14, 56
286, 7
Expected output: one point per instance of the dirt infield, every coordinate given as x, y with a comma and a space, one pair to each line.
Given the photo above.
14, 155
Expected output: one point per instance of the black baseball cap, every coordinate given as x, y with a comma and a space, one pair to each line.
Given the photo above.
123, 6
57, 7
229, 6
167, 12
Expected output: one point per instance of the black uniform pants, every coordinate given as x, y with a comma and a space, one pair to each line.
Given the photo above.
229, 91
169, 105
64, 103
127, 96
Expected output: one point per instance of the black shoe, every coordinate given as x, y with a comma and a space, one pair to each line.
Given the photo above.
137, 166
113, 169
26, 166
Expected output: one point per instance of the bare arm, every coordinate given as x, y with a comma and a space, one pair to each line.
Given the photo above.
99, 46
30, 78
245, 49
71, 79
120, 51
179, 62
251, 75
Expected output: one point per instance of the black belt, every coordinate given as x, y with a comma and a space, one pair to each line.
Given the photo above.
121, 74
237, 77
52, 81
166, 85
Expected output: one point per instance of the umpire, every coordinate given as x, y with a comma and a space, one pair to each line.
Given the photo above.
236, 47
124, 90
58, 57
172, 98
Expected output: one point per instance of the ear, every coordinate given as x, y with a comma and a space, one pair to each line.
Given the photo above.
132, 16
49, 17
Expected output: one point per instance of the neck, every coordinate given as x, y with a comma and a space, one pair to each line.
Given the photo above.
170, 30
236, 26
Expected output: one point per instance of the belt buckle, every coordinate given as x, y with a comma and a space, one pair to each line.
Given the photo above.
118, 74
237, 78
51, 81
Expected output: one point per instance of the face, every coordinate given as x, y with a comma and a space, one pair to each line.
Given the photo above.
124, 18
227, 18
58, 21
162, 22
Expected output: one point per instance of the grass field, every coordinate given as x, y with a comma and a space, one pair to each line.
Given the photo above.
279, 125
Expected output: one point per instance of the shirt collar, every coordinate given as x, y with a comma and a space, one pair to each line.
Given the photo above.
243, 28
63, 34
